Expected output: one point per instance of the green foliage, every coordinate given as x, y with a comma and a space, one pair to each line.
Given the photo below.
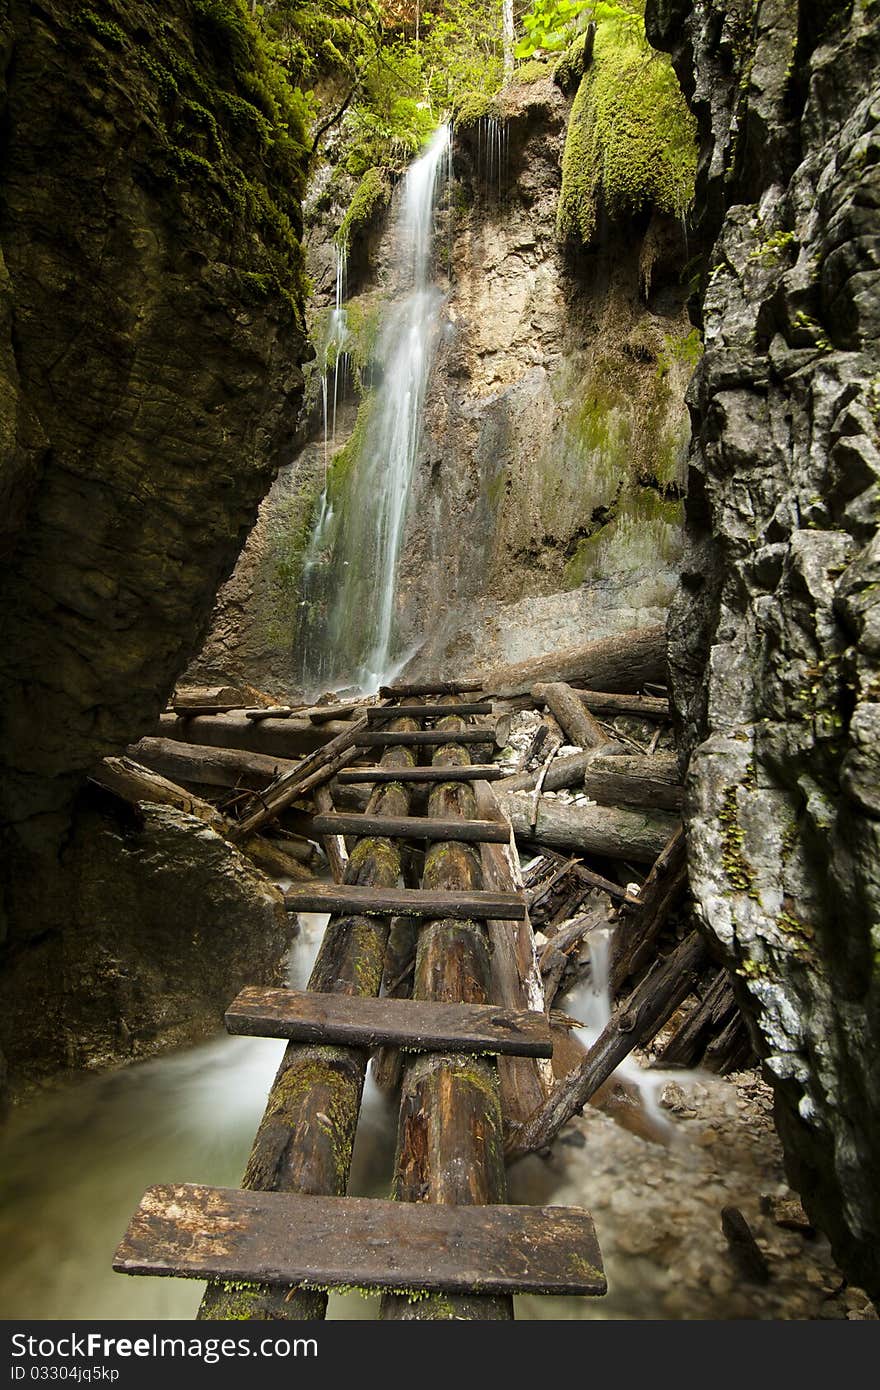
631, 140
548, 26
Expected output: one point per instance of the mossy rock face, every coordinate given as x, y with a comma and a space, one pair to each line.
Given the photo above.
371, 197
631, 140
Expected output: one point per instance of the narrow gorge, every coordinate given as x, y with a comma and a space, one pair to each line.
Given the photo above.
431, 418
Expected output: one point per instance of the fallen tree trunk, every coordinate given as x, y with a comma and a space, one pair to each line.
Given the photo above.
635, 1024
574, 719
292, 1152
207, 766
279, 738
635, 780
609, 831
619, 663
133, 783
641, 706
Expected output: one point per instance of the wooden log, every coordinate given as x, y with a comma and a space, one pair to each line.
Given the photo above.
659, 895
562, 772
619, 663
588, 877
571, 934
450, 1141
635, 780
487, 772
381, 714
745, 1250
635, 1024
271, 857
306, 1137
139, 785
705, 1021
303, 1016
573, 716
401, 688
641, 706
278, 738
405, 902
732, 1049
195, 711
333, 842
613, 832
208, 766
515, 977
279, 1238
411, 827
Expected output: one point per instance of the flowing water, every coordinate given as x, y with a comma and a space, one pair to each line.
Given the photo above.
346, 620
75, 1163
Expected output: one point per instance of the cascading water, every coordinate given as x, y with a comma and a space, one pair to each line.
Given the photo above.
346, 620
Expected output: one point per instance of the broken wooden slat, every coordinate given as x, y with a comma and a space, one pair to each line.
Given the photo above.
410, 827
314, 770
476, 772
195, 1232
304, 1016
407, 902
381, 713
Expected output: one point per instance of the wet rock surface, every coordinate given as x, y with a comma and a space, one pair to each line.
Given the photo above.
658, 1209
160, 924
774, 631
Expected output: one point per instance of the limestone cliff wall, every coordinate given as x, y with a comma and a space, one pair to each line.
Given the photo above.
150, 276
774, 631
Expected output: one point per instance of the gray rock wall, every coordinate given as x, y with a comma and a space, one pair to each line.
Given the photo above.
775, 630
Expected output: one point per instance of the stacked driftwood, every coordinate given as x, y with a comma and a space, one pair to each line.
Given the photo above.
593, 793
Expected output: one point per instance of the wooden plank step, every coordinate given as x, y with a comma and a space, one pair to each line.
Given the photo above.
475, 772
412, 827
379, 714
195, 1232
352, 1021
379, 737
404, 902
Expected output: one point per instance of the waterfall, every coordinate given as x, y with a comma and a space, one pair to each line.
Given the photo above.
346, 629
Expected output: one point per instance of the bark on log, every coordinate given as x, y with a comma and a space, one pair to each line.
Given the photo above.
574, 718
635, 780
207, 766
133, 783
450, 1145
636, 1023
516, 979
641, 706
400, 688
294, 1151
278, 738
619, 663
334, 845
609, 831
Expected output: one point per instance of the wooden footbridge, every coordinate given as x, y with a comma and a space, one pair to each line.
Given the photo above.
447, 925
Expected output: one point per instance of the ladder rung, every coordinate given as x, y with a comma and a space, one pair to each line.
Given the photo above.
378, 737
380, 714
404, 902
475, 772
355, 1021
413, 827
197, 1232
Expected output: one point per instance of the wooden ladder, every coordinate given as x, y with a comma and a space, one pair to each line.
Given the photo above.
471, 1042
